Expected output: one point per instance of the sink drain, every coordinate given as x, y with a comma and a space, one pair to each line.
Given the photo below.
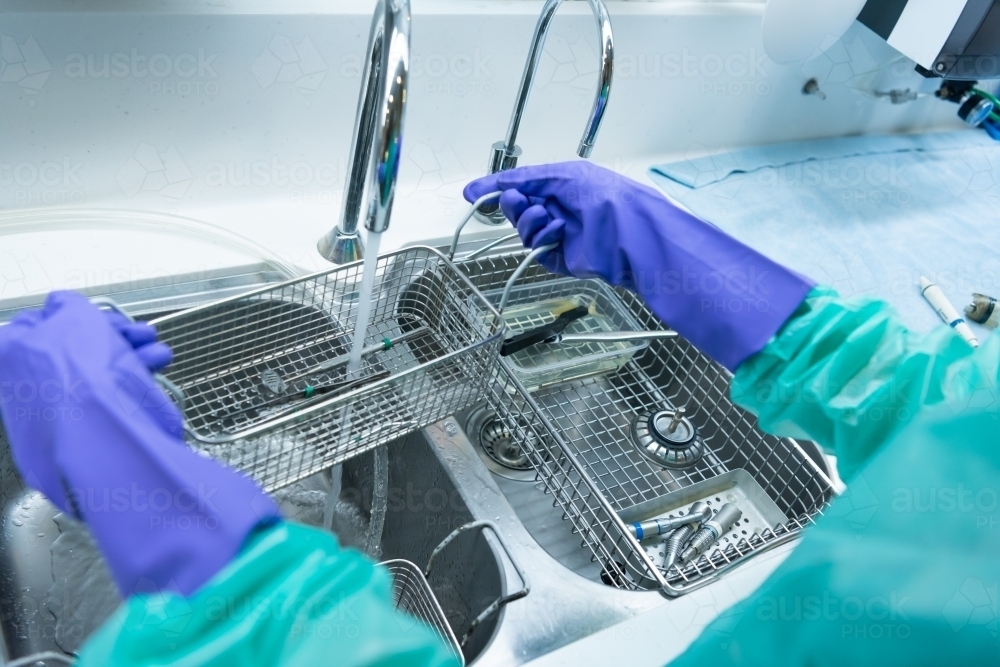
499, 446
668, 438
501, 453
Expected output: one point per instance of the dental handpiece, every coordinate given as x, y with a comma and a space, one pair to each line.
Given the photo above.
712, 530
675, 542
645, 529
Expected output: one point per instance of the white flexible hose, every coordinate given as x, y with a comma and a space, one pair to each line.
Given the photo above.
468, 216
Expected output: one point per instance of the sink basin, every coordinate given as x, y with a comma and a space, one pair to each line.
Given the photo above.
40, 601
437, 483
55, 589
442, 478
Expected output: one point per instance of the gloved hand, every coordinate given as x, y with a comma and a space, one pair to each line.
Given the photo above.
89, 428
722, 296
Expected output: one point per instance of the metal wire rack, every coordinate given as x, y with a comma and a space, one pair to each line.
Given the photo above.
578, 437
430, 345
412, 594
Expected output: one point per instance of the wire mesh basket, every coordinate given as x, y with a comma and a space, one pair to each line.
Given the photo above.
412, 594
579, 437
263, 375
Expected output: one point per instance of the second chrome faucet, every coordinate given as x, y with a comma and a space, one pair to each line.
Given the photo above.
504, 154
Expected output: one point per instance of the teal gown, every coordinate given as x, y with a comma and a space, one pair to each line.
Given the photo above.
903, 568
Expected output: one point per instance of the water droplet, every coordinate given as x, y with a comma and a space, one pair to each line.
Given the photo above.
17, 522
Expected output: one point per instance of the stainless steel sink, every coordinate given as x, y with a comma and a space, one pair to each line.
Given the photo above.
439, 479
437, 483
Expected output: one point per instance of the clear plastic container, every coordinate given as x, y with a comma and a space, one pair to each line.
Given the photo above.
535, 305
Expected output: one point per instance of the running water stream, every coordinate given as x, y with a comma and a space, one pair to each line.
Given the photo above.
364, 302
381, 456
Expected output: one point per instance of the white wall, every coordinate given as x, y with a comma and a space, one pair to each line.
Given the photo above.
200, 101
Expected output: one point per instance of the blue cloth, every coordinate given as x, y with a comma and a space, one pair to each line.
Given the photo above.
866, 215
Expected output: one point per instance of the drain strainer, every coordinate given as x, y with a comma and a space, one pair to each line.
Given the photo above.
668, 438
498, 449
499, 446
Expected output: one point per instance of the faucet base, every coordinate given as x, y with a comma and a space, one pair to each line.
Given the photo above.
500, 160
492, 218
341, 248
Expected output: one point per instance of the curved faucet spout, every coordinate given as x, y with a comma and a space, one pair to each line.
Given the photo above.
378, 133
505, 153
604, 76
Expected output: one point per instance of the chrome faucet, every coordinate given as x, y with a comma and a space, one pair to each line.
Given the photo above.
505, 153
378, 133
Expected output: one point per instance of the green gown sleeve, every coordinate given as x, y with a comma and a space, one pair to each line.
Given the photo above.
848, 375
292, 597
903, 568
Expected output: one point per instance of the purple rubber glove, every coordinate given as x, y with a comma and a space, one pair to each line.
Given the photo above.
89, 427
724, 297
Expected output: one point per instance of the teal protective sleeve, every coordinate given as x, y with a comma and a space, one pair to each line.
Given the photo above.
848, 375
902, 569
291, 597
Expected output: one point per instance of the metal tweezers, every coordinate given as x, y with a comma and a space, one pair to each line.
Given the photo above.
311, 392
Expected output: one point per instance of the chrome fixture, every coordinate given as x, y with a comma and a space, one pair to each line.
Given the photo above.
505, 153
378, 133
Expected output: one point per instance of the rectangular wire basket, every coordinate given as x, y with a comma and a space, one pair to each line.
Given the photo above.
430, 354
578, 437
